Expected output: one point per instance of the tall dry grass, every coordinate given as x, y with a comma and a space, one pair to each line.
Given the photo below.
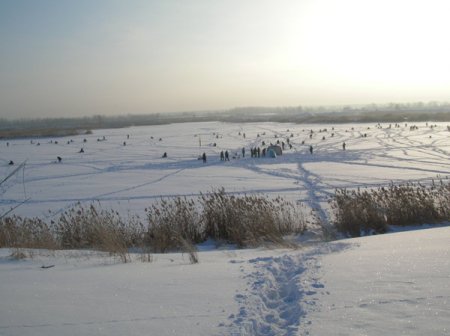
94, 227
249, 220
173, 224
358, 212
17, 231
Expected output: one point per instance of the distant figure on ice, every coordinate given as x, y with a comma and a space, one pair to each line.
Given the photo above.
343, 146
11, 162
59, 158
243, 152
227, 158
204, 157
311, 149
164, 155
124, 143
222, 156
81, 150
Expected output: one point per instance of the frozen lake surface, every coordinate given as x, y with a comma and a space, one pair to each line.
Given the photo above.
128, 173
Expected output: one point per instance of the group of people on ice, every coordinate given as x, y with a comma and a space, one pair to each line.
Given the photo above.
224, 156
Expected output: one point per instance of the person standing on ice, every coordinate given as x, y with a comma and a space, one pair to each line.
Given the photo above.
204, 157
243, 152
227, 158
343, 146
311, 149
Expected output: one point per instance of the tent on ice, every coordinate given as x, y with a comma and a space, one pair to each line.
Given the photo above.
276, 149
271, 153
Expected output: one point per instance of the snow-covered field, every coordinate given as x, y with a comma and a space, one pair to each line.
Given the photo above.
129, 177
392, 284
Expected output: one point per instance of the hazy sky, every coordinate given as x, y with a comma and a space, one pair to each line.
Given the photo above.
84, 57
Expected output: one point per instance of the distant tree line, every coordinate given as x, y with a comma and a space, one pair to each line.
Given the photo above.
392, 112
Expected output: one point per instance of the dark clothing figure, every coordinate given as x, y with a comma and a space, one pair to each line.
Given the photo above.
204, 157
243, 152
227, 158
11, 162
222, 156
343, 146
311, 149
59, 158
124, 143
81, 150
164, 155
258, 152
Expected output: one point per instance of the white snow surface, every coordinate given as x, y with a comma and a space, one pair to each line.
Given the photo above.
393, 284
128, 178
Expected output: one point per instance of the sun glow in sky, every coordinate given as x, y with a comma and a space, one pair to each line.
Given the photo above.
75, 58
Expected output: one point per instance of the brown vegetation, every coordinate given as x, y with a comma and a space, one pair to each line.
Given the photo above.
358, 212
174, 224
